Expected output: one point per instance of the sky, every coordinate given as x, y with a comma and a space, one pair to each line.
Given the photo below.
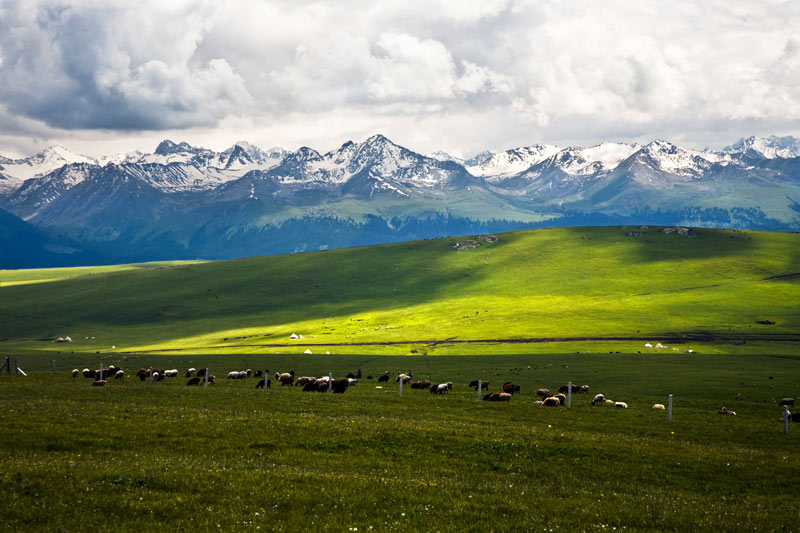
106, 77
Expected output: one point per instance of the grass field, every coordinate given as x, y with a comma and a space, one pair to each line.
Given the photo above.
147, 456
583, 289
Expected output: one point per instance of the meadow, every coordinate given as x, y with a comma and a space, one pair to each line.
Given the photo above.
546, 291
145, 456
539, 308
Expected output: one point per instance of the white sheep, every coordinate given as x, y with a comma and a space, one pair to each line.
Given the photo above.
621, 405
75, 372
599, 398
120, 374
659, 406
172, 373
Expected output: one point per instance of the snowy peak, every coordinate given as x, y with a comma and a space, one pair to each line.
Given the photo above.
674, 159
766, 147
511, 161
167, 147
42, 163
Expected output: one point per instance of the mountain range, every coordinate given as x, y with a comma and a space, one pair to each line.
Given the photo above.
182, 201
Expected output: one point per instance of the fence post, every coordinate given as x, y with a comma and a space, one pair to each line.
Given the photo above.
479, 389
669, 408
569, 394
330, 381
785, 419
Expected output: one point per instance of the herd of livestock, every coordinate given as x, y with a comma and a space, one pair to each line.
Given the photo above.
338, 386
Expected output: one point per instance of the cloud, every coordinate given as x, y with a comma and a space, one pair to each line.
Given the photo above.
524, 71
90, 66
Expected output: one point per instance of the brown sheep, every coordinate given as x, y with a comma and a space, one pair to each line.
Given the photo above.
552, 401
99, 383
483, 384
194, 381
563, 389
285, 378
542, 393
405, 377
509, 387
425, 384
561, 398
726, 411
384, 378
584, 389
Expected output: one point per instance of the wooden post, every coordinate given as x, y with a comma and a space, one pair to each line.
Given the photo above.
480, 386
785, 419
669, 408
569, 395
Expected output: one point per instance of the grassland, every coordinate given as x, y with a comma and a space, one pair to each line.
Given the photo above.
142, 456
540, 308
584, 289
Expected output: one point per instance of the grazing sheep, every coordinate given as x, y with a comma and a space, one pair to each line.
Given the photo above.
484, 385
425, 384
563, 389
503, 397
444, 388
202, 372
621, 405
89, 373
260, 384
352, 382
142, 374
99, 383
584, 389
542, 393
551, 401
237, 374
793, 417
598, 398
120, 374
190, 372
659, 406
75, 372
787, 401
302, 381
538, 402
285, 378
497, 397
172, 373
384, 378
405, 377
608, 402
726, 411
561, 398
509, 387
258, 374
194, 381
156, 376
338, 386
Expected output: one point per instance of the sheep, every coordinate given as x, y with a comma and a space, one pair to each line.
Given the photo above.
202, 372
725, 411
405, 377
172, 373
425, 384
285, 378
119, 374
787, 401
384, 378
659, 406
538, 402
584, 389
598, 398
99, 383
259, 374
156, 376
338, 386
190, 372
497, 397
621, 405
551, 401
302, 381
75, 372
503, 397
563, 389
194, 381
142, 374
509, 387
561, 398
484, 385
608, 402
542, 393
352, 382
237, 374
443, 388
260, 384
89, 373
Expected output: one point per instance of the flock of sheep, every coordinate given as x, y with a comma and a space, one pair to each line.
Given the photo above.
338, 386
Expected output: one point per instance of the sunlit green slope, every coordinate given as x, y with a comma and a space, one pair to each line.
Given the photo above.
569, 285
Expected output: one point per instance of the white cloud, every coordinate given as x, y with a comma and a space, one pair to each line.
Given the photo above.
519, 71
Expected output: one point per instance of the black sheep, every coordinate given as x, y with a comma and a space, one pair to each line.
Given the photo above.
260, 384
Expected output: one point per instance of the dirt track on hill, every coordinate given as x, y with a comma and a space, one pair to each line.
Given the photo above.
672, 339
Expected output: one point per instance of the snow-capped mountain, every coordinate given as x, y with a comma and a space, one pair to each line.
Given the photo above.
184, 201
766, 147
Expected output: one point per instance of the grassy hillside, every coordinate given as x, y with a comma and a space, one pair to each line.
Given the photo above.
574, 286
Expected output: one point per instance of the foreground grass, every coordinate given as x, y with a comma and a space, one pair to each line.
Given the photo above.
135, 456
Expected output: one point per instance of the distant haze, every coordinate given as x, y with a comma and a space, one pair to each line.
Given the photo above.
432, 75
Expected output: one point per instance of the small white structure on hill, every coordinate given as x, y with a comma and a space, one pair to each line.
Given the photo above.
293, 336
307, 352
648, 345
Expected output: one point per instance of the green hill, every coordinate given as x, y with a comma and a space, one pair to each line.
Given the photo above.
554, 290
